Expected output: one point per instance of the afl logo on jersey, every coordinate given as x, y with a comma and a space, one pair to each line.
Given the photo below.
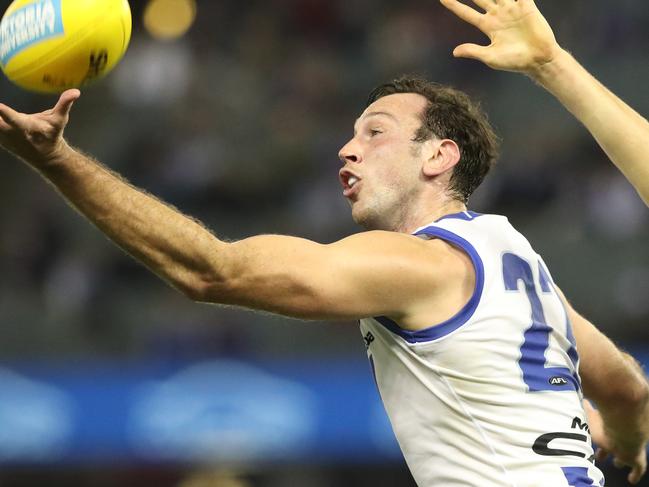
368, 339
558, 381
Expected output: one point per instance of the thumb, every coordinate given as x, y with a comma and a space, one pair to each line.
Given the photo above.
64, 105
470, 51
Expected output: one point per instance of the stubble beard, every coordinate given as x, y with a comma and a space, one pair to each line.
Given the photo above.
377, 214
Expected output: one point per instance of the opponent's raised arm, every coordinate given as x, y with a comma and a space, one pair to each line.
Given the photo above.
368, 274
616, 383
522, 41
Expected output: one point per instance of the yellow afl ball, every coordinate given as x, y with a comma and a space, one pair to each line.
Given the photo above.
49, 46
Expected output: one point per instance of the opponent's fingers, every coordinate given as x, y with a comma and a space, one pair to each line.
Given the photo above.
463, 11
9, 116
485, 4
635, 475
471, 51
601, 454
64, 105
638, 470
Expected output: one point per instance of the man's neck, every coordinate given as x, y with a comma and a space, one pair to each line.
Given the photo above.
429, 215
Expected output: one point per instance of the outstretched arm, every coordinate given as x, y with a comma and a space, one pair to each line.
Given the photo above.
368, 274
522, 41
617, 385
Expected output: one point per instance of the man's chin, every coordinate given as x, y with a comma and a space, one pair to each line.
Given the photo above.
358, 218
364, 218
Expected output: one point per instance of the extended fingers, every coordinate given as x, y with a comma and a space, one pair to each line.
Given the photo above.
9, 117
465, 12
64, 105
488, 5
635, 476
485, 4
618, 463
601, 454
639, 469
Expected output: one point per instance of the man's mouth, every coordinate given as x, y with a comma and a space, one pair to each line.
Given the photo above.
352, 188
350, 182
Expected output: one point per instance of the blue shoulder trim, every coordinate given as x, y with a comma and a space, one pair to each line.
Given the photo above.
452, 324
463, 215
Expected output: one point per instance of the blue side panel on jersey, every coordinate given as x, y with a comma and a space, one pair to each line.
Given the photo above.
547, 286
536, 375
577, 476
452, 324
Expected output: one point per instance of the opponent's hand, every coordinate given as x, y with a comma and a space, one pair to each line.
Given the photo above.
521, 38
625, 453
36, 138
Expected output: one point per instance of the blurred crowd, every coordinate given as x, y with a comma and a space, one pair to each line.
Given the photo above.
238, 124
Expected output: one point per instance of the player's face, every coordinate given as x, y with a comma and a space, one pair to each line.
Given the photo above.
382, 164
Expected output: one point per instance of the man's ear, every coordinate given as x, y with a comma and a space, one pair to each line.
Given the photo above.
441, 155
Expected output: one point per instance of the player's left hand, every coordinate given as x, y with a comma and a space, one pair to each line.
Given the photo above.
521, 38
36, 138
625, 453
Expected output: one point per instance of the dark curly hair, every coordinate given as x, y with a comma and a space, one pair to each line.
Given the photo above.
451, 114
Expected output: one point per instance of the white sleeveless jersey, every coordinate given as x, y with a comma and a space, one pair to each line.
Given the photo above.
491, 397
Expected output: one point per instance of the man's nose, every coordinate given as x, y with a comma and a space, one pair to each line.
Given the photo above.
349, 153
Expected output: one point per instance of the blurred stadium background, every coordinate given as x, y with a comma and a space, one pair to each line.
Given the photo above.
108, 377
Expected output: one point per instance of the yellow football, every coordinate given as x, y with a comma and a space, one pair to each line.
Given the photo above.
49, 46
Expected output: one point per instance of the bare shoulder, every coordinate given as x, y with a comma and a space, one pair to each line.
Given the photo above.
421, 255
435, 256
435, 278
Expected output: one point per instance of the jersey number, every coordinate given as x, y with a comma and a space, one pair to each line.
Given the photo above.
536, 341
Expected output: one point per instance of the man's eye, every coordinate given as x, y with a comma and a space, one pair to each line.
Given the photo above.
374, 132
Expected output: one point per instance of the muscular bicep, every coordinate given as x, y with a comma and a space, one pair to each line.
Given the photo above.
367, 274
